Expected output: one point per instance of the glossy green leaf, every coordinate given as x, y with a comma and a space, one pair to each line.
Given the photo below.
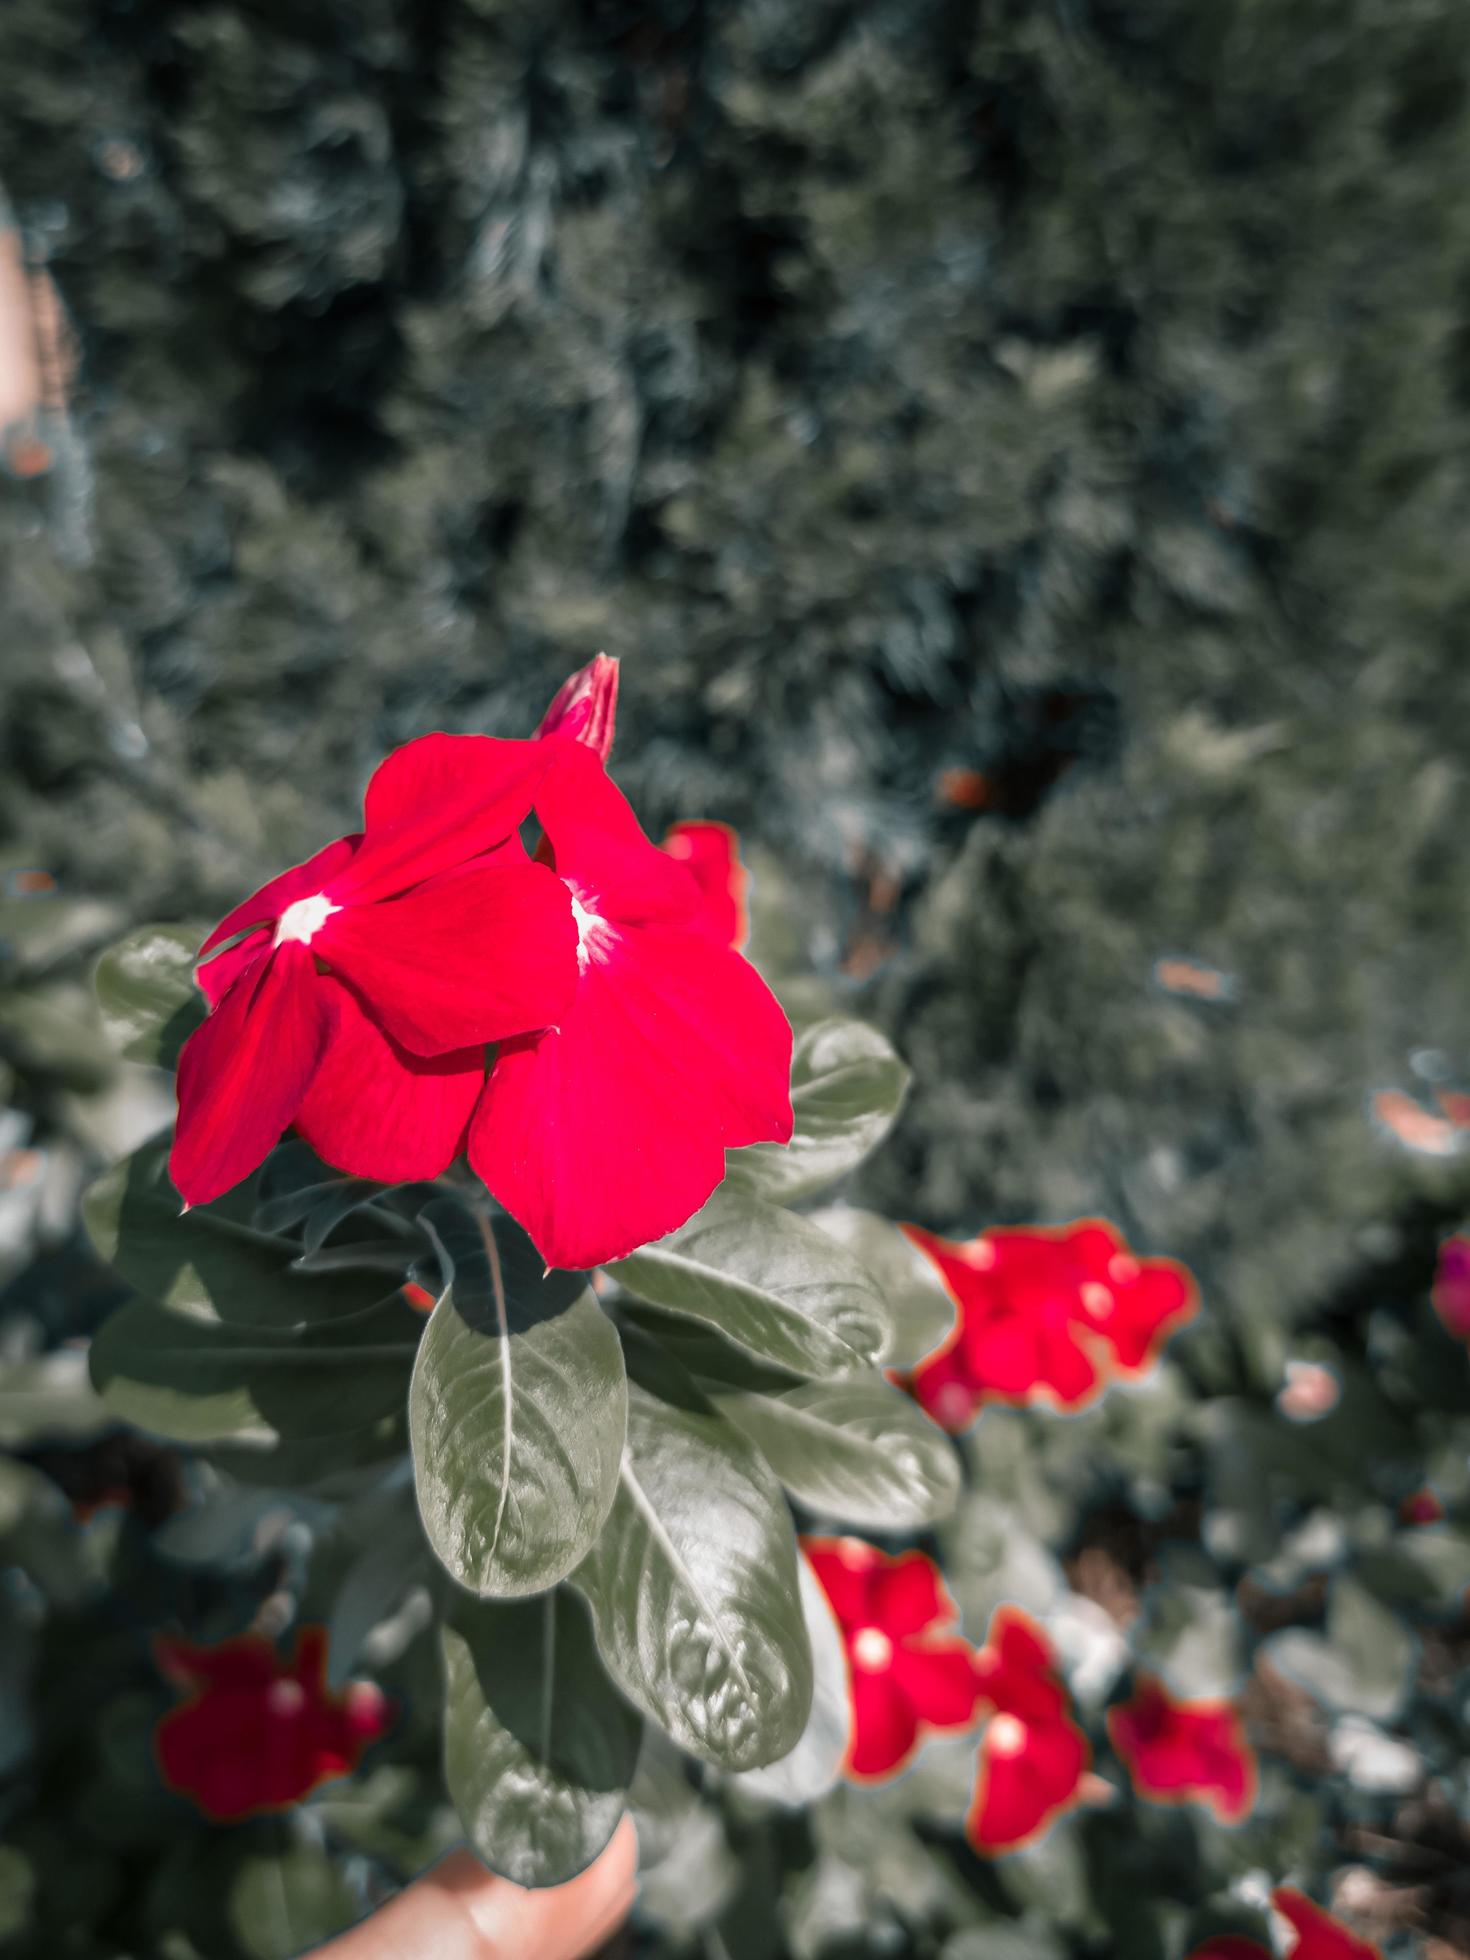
847, 1086
814, 1766
146, 992
198, 1381
920, 1305
693, 1583
857, 1450
768, 1281
539, 1747
517, 1410
205, 1261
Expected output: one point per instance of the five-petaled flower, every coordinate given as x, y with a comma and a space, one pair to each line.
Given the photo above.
1033, 1756
362, 986
1318, 1935
355, 997
1045, 1314
910, 1671
258, 1732
1185, 1751
1451, 1294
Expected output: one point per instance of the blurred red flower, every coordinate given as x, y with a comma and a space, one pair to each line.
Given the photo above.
379, 1059
610, 1128
258, 1732
712, 853
1318, 1936
1421, 1507
1185, 1751
1045, 1314
1451, 1292
910, 1672
1033, 1756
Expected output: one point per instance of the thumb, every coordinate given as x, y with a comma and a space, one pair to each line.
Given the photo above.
460, 1911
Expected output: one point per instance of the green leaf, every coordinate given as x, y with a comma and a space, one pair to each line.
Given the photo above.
693, 1583
204, 1261
517, 1410
847, 1086
49, 1396
1365, 1662
198, 1381
539, 1747
279, 1906
920, 1305
768, 1281
857, 1450
145, 989
814, 1766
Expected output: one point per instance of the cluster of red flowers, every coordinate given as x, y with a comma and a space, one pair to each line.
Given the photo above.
1047, 1315
355, 997
258, 1732
913, 1674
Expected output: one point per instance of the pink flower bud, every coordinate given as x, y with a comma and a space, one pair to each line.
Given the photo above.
586, 706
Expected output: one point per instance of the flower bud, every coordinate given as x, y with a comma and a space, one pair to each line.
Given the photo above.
586, 706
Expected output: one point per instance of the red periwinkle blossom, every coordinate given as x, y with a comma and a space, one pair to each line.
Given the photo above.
911, 1674
712, 853
585, 707
1033, 1757
1318, 1936
1451, 1294
258, 1732
1045, 1314
1185, 1751
610, 1128
358, 1002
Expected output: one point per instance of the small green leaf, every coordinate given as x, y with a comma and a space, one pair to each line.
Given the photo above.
857, 1450
199, 1381
920, 1305
539, 1747
145, 989
847, 1086
280, 1905
693, 1583
768, 1281
517, 1410
204, 1261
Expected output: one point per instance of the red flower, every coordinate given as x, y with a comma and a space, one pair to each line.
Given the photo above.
712, 852
910, 1671
610, 1128
256, 1732
1033, 1757
368, 981
585, 707
1045, 1314
1421, 1507
1185, 1751
1318, 1936
1451, 1294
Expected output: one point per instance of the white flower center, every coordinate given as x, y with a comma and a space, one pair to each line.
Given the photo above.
593, 932
303, 920
872, 1649
1006, 1735
286, 1697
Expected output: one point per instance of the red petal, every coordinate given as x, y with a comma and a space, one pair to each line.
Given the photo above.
613, 1131
375, 1110
243, 1073
712, 853
217, 976
884, 1726
938, 1677
1230, 1946
1020, 1792
1162, 1295
908, 1594
1180, 1751
1318, 1935
942, 1388
302, 881
435, 804
600, 848
585, 707
478, 954
845, 1569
